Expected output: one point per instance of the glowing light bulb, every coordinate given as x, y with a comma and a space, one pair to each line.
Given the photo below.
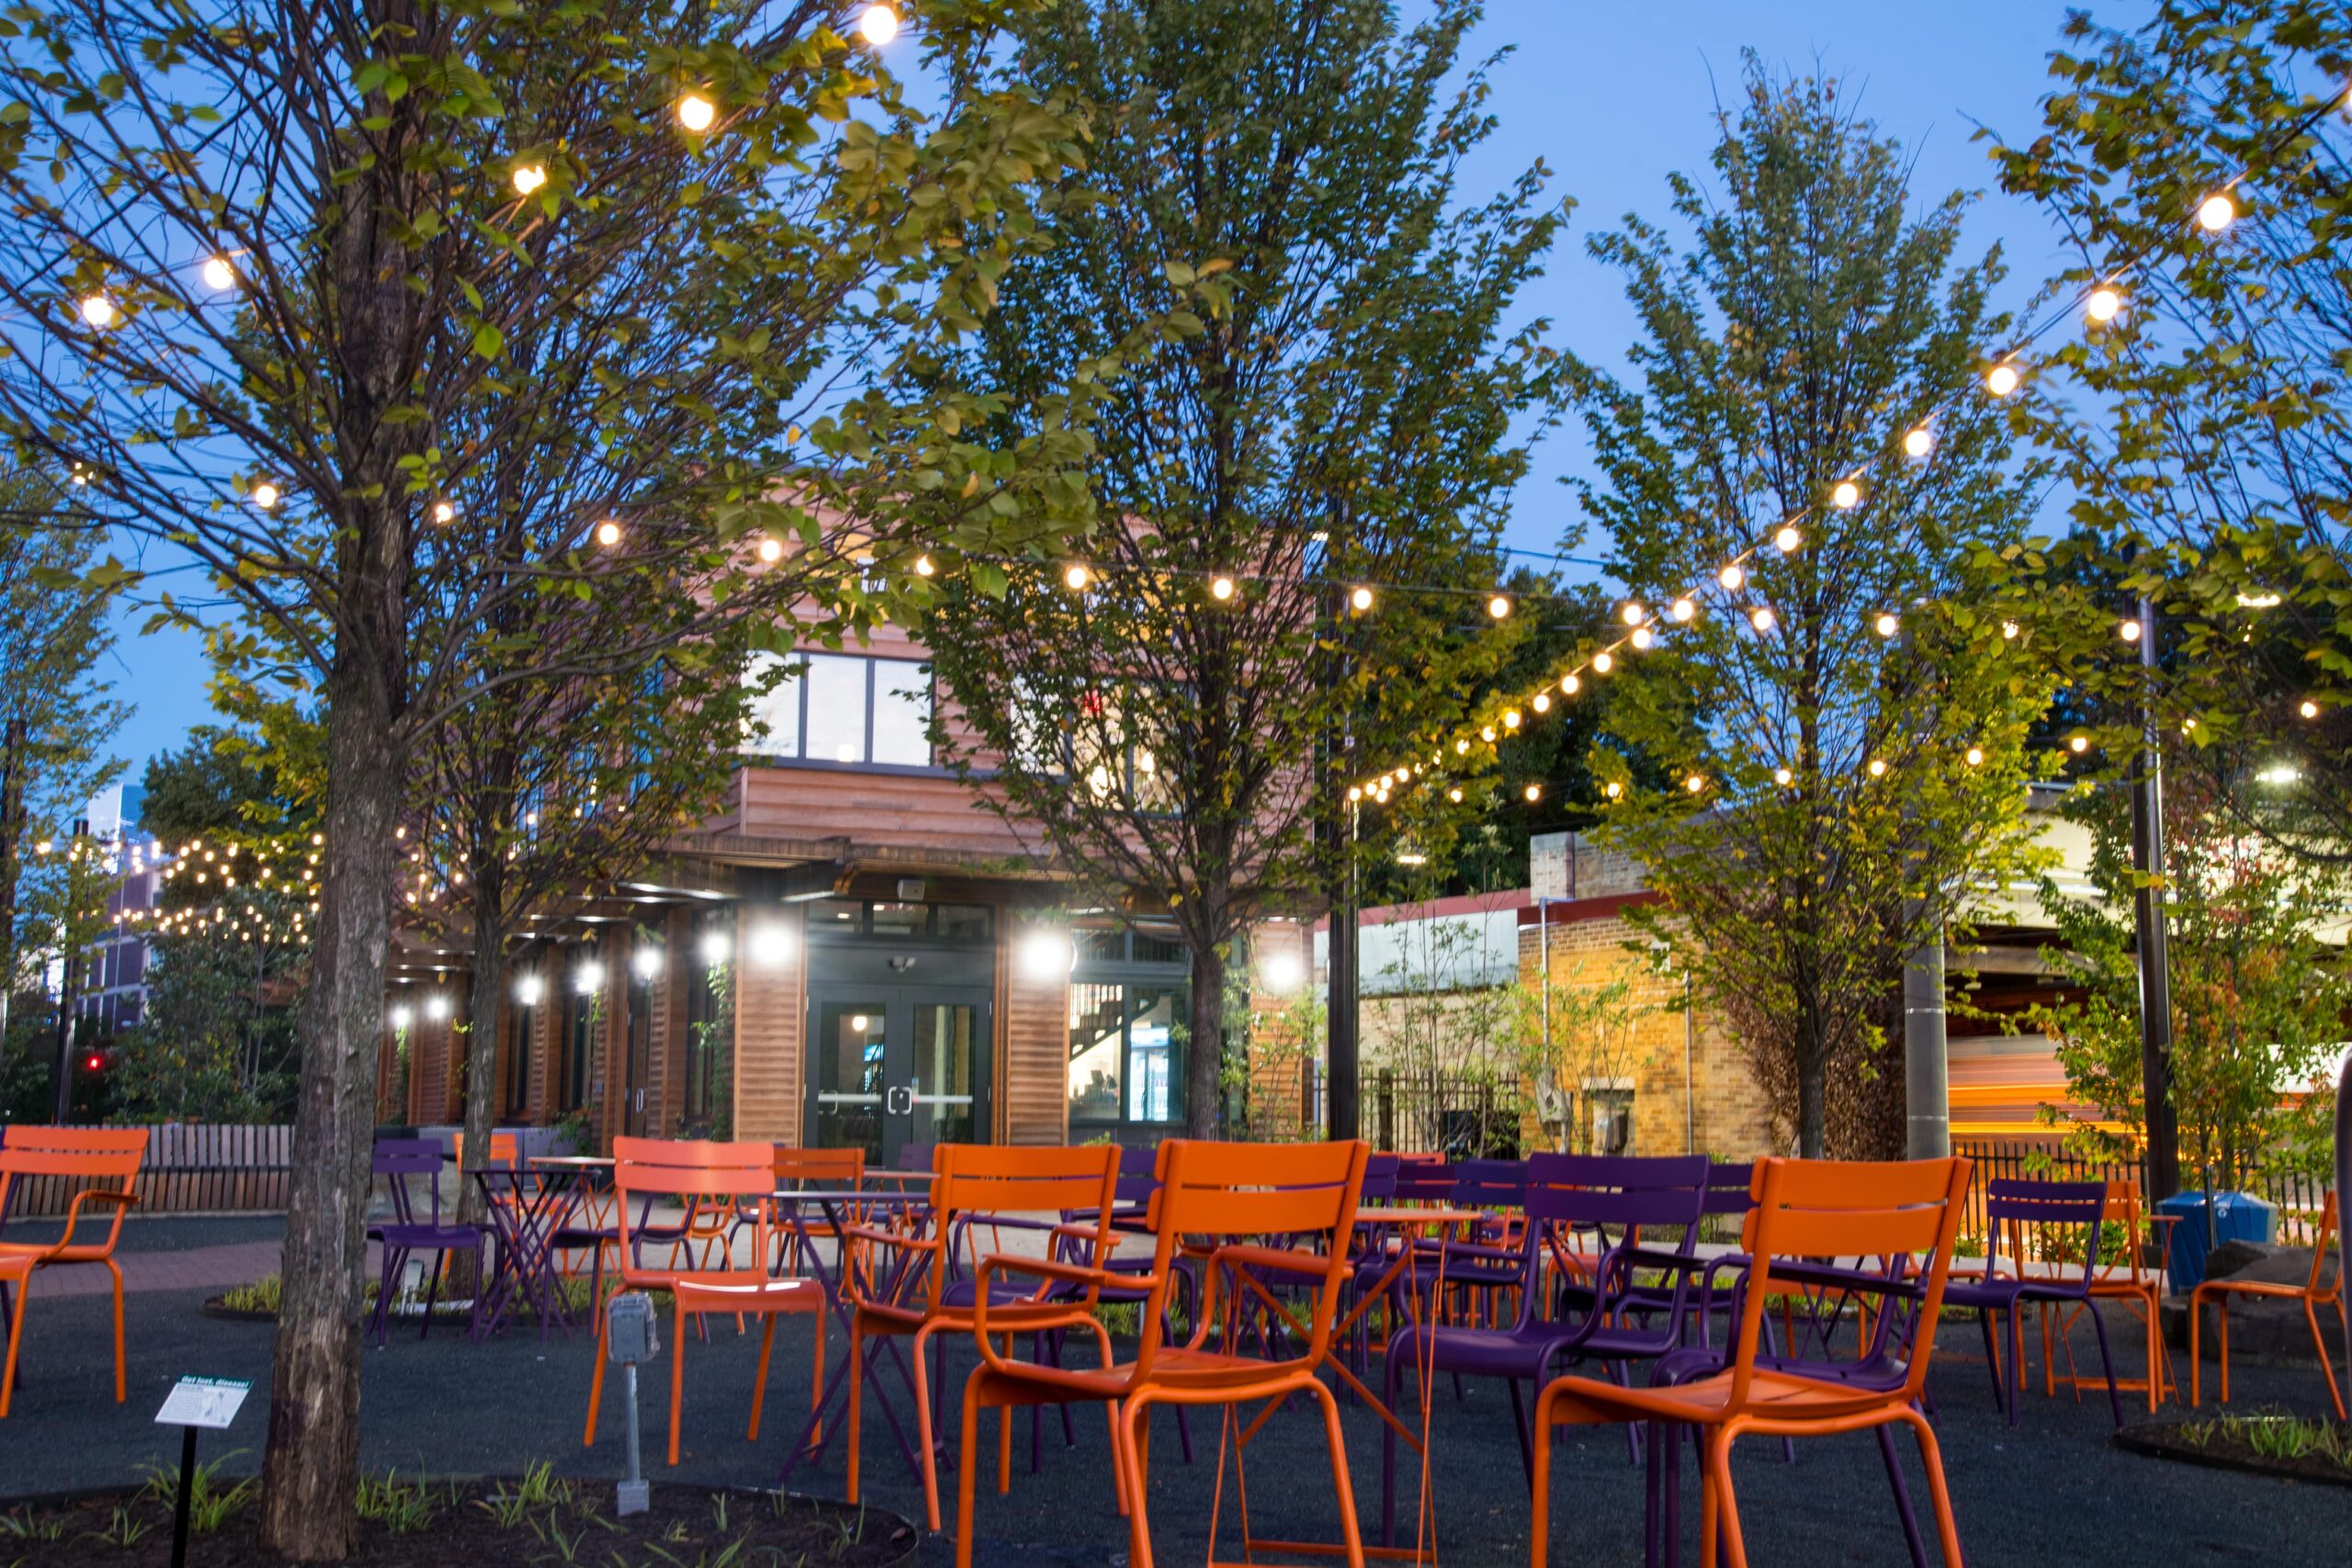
1603, 663
2216, 213
1633, 613
1846, 496
1886, 624
99, 311
1760, 619
1461, 747
443, 511
1454, 795
1570, 685
1683, 610
1613, 790
529, 177
697, 113
1361, 598
1732, 577
771, 551
2001, 381
608, 533
1787, 539
878, 25
2310, 709
1541, 701
1511, 718
2103, 305
1976, 756
1782, 777
1487, 734
1878, 767
1221, 588
923, 567
266, 495
2128, 630
1919, 441
1642, 638
1498, 607
1533, 792
1075, 577
2009, 631
219, 273
1694, 783
1355, 793
2078, 745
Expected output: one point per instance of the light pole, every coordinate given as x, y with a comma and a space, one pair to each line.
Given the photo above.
2148, 911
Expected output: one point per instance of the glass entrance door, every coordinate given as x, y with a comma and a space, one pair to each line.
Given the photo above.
896, 1068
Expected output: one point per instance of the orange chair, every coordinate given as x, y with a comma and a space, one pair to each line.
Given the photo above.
1213, 1200
973, 1187
109, 1155
1804, 1209
812, 1168
505, 1149
2311, 1293
645, 1168
2140, 1289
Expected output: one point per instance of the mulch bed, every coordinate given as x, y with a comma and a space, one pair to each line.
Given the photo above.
2225, 1445
536, 1521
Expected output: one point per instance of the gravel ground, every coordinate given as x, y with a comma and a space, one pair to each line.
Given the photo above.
2055, 1490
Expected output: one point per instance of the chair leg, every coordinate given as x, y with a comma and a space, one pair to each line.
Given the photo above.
2310, 1315
1350, 1534
432, 1292
1992, 1357
923, 1428
15, 1342
1726, 1506
122, 1383
2222, 1309
1886, 1435
2107, 1364
677, 1368
1539, 1526
1931, 1456
596, 1386
2196, 1362
856, 1396
1129, 1455
759, 1385
967, 1461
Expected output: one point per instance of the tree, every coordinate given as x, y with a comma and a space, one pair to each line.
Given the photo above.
1839, 782
2196, 161
56, 714
1170, 716
2258, 999
268, 262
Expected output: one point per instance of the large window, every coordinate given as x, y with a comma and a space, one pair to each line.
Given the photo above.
844, 708
710, 1042
517, 1064
1129, 1008
580, 1013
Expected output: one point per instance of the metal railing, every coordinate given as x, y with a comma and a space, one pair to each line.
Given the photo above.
2296, 1195
190, 1168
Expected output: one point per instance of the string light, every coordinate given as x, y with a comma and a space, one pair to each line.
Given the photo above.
2128, 630
443, 511
1499, 608
1732, 577
1887, 625
2310, 709
1878, 767
1603, 663
1786, 538
219, 276
923, 567
1613, 789
1633, 613
2078, 745
1454, 795
2105, 303
1221, 589
529, 177
1694, 783
1570, 685
771, 551
696, 112
2008, 631
1682, 610
878, 25
2001, 381
1541, 701
99, 311
1075, 577
2216, 213
1919, 441
1846, 496
1975, 755
1782, 777
266, 495
1642, 638
1361, 598
1760, 619
608, 533
1511, 718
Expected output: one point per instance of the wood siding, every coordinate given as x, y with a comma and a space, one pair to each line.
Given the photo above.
770, 1009
1032, 1062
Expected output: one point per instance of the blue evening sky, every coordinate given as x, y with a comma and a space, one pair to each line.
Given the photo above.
1612, 97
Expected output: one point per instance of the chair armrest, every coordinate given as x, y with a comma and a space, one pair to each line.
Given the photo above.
1285, 1260
1046, 1269
891, 1238
120, 1201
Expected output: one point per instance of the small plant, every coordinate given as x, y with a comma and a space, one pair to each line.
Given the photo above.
209, 1504
20, 1525
124, 1528
549, 1530
404, 1508
719, 1512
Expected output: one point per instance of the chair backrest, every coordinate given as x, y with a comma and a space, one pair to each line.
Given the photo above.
1614, 1196
818, 1168
1487, 1183
101, 1158
1423, 1179
691, 1170
1380, 1178
1847, 1210
1728, 1188
1296, 1200
399, 1159
505, 1152
2329, 1217
2051, 1209
973, 1182
1139, 1174
2123, 1211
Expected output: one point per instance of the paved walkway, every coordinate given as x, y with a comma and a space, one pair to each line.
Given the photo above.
209, 1268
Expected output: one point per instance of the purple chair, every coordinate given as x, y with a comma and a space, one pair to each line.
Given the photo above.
1562, 1194
396, 1160
2056, 1207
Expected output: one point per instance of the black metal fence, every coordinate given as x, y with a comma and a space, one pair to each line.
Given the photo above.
2296, 1195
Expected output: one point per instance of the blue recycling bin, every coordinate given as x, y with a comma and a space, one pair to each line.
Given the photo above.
2237, 1216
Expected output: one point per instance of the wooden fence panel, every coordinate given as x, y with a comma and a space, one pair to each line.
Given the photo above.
190, 1168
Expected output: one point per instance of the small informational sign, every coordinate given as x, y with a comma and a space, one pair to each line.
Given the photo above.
204, 1402
1547, 864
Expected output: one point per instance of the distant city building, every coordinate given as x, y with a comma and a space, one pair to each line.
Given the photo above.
114, 981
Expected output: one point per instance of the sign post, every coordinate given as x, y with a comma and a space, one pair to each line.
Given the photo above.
194, 1405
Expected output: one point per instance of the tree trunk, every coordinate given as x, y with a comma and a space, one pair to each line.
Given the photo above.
481, 1054
1812, 1094
1205, 1066
311, 1470
12, 829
